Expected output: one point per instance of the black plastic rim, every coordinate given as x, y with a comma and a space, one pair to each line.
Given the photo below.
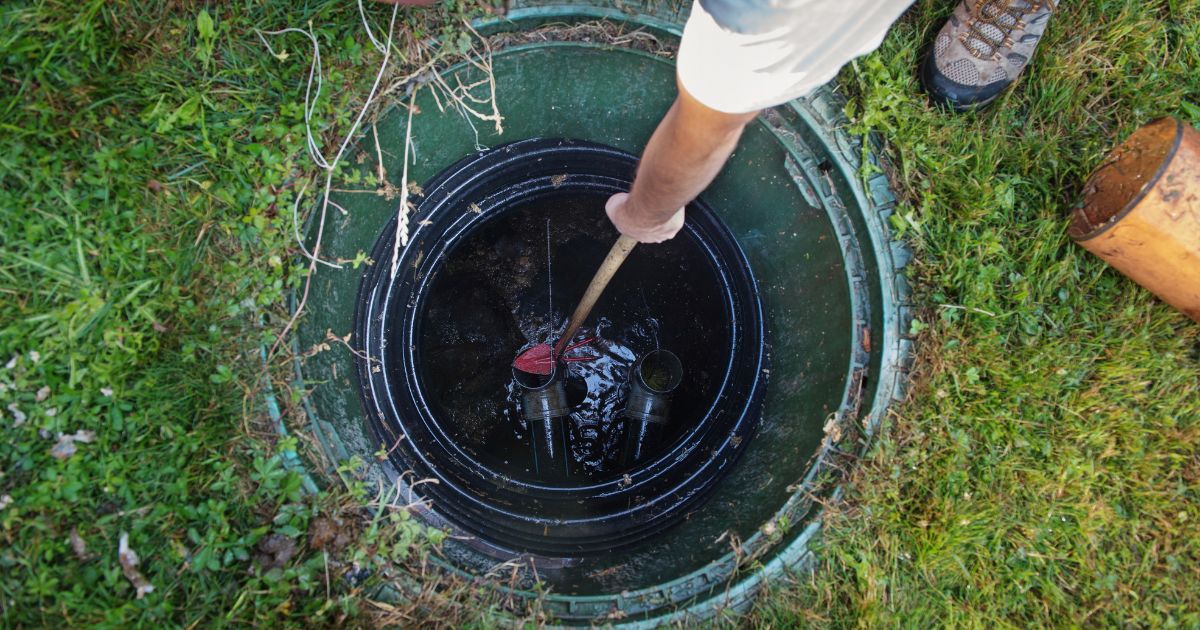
528, 517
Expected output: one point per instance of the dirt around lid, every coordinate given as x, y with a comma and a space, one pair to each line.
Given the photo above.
1129, 170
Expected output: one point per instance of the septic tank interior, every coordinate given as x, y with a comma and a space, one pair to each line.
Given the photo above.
782, 299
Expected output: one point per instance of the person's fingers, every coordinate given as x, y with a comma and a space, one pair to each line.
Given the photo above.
669, 229
613, 208
628, 224
613, 204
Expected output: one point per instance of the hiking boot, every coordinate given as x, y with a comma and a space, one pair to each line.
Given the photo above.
982, 49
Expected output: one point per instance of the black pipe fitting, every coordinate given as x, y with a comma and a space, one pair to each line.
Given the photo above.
652, 380
544, 406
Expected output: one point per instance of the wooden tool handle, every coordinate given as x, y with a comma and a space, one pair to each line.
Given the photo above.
620, 250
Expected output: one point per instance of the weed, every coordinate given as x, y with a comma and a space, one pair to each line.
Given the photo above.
1044, 470
152, 154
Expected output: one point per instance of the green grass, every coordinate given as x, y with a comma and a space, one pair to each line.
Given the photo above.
1044, 472
151, 151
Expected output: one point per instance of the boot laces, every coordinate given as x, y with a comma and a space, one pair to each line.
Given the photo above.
992, 24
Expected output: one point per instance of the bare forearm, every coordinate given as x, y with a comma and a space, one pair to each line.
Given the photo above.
678, 163
684, 154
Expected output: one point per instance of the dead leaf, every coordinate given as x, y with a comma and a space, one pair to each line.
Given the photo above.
65, 447
129, 566
80, 547
387, 191
18, 416
275, 551
154, 185
322, 532
42, 394
332, 337
328, 533
833, 428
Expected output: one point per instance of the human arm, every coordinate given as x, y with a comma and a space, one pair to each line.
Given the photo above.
684, 154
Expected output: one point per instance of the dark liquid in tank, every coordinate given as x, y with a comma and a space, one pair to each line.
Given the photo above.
514, 282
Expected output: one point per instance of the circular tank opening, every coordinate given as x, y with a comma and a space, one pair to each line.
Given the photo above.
510, 241
501, 291
801, 204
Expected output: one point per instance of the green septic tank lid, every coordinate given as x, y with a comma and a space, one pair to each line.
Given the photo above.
813, 226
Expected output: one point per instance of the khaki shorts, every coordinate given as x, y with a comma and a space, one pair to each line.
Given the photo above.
737, 73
